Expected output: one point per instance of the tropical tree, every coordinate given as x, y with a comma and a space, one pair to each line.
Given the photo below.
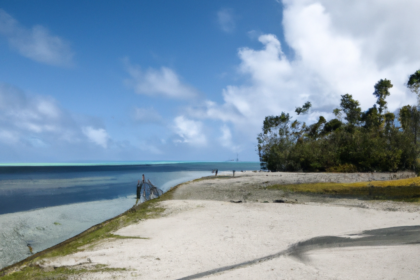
382, 92
352, 141
351, 109
414, 82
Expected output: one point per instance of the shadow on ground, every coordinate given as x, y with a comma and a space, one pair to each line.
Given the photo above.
406, 235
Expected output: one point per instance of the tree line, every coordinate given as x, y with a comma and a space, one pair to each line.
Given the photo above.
353, 141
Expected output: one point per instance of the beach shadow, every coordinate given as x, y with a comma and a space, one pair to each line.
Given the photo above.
392, 236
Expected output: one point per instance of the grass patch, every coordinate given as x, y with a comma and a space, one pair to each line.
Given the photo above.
407, 190
116, 236
37, 273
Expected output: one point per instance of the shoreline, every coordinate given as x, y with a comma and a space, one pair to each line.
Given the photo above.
30, 231
175, 182
153, 209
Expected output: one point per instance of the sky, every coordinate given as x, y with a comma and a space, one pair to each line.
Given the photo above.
84, 81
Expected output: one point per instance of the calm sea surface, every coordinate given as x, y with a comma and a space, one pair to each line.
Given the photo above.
29, 187
42, 205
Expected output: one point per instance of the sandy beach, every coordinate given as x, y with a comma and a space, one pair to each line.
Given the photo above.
229, 228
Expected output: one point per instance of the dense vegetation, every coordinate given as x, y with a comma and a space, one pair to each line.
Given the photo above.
373, 140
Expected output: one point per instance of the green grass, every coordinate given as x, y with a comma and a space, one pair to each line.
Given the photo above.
407, 190
37, 273
110, 235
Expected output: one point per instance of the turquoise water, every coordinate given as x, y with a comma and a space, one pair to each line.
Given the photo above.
113, 163
42, 204
30, 186
91, 163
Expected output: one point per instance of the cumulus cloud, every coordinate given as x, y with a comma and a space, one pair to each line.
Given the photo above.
226, 20
225, 139
20, 113
189, 131
38, 121
35, 43
147, 115
98, 136
158, 82
339, 47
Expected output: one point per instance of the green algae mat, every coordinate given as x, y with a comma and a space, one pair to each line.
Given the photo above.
407, 190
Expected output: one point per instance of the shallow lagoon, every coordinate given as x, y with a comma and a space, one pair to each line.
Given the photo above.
42, 205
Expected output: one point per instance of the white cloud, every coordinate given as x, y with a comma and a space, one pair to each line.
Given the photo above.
161, 82
189, 131
98, 136
226, 139
35, 43
226, 20
339, 47
48, 108
38, 121
21, 114
147, 115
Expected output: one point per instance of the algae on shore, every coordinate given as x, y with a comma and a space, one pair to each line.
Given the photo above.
38, 273
407, 190
29, 268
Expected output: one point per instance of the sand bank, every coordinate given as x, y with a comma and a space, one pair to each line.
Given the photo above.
201, 234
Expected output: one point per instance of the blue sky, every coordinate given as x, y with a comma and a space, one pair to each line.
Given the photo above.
187, 80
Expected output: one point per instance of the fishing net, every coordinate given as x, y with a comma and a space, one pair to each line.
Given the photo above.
147, 191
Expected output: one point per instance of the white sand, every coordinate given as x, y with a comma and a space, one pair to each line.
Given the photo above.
194, 236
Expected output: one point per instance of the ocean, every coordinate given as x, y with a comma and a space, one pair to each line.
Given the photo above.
44, 204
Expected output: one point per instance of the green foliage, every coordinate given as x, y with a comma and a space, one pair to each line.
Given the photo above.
342, 168
315, 130
414, 82
381, 92
272, 122
351, 108
59, 273
371, 118
332, 125
367, 141
304, 109
337, 113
